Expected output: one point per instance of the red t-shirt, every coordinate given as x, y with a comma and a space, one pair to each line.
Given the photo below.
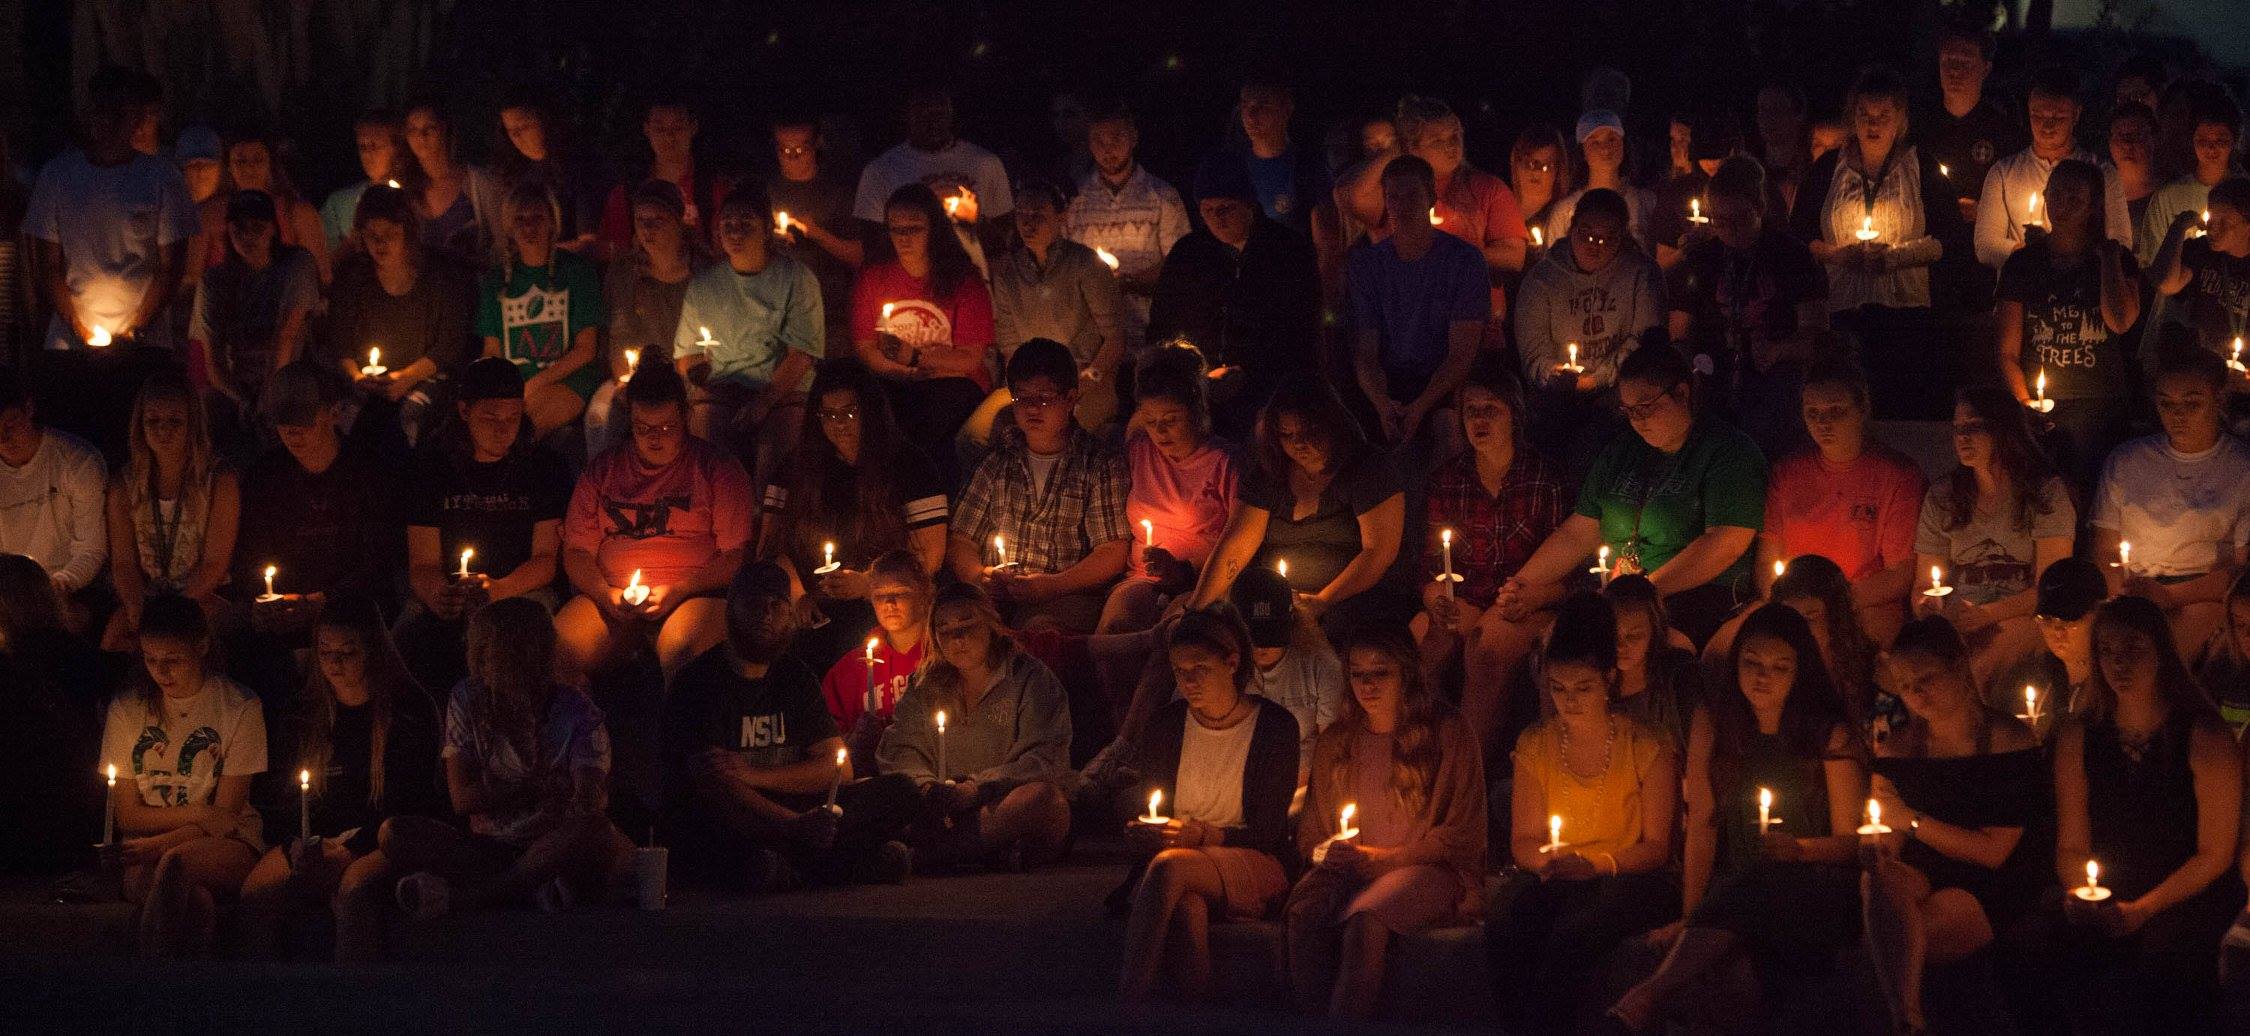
962, 323
1861, 516
846, 684
666, 522
616, 231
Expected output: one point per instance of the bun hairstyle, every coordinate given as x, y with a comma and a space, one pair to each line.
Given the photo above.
1585, 633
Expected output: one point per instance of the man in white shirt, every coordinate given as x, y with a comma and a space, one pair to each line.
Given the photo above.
932, 155
2015, 184
1124, 210
51, 487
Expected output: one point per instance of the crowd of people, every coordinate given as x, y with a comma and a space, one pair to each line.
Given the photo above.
1377, 542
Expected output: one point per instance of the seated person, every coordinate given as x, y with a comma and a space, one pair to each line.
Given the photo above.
645, 289
1499, 502
173, 511
51, 498
186, 833
854, 490
922, 318
538, 827
413, 302
984, 733
656, 528
1413, 857
483, 522
251, 308
542, 311
750, 329
863, 687
1321, 506
1590, 830
2223, 667
1659, 683
1225, 763
367, 734
1812, 586
1676, 498
1990, 528
756, 748
1184, 487
60, 686
1602, 294
1054, 288
2057, 675
1419, 300
1047, 508
2178, 498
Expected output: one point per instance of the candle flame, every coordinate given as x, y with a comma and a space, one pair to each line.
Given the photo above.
375, 357
271, 571
1937, 579
1107, 257
1573, 347
636, 580
871, 642
1447, 536
632, 361
1538, 240
2031, 699
887, 308
392, 184
843, 755
2041, 387
781, 221
1765, 798
940, 717
99, 338
2093, 875
1601, 557
1149, 529
466, 554
703, 336
1874, 813
304, 779
1943, 171
1435, 219
2124, 553
1281, 565
1155, 799
1554, 829
828, 552
113, 773
1344, 818
1779, 567
1694, 207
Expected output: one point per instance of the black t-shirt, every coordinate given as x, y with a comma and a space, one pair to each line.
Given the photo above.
433, 319
2063, 331
410, 759
921, 499
1968, 146
773, 720
490, 507
1321, 545
1736, 299
2217, 296
827, 204
1669, 223
334, 532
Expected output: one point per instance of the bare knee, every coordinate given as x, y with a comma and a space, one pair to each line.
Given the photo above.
1166, 872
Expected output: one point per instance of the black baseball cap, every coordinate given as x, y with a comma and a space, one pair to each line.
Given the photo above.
759, 579
2071, 588
1267, 605
295, 395
490, 377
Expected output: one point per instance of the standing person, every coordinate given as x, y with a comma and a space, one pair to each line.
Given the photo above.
922, 318
1559, 915
667, 507
485, 494
542, 310
820, 231
252, 306
2132, 163
935, 158
645, 290
527, 763
1414, 855
252, 166
1226, 763
2177, 498
1780, 116
1601, 152
462, 208
1125, 210
1053, 495
1419, 300
414, 303
1242, 289
2066, 300
2207, 275
669, 124
1540, 169
2217, 132
1185, 485
1288, 180
1969, 861
1969, 129
756, 748
172, 511
541, 152
990, 782
901, 593
2148, 786
366, 735
1055, 288
51, 498
1602, 294
379, 137
186, 741
109, 226
2013, 200
1751, 299
750, 330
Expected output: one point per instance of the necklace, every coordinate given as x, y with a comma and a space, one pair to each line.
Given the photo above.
1609, 749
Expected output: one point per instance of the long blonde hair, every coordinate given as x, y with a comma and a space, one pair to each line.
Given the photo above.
942, 677
1415, 745
389, 688
140, 463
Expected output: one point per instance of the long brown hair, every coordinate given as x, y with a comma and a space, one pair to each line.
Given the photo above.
941, 677
389, 688
139, 476
2014, 452
1415, 745
511, 667
2178, 687
877, 513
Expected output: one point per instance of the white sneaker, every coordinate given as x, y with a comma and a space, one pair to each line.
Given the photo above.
424, 896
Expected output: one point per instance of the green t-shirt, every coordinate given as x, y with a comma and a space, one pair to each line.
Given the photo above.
1717, 478
539, 310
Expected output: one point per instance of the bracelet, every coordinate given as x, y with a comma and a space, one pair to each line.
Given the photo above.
1607, 864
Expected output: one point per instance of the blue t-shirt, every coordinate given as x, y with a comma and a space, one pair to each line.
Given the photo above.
1411, 304
1276, 182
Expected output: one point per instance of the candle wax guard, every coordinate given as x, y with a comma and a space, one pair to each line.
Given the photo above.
2091, 893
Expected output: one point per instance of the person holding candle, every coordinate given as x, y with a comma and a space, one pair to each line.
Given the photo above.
1971, 784
1541, 170
669, 125
922, 317
1614, 784
2068, 593
1226, 760
1500, 499
1059, 496
368, 734
1004, 749
820, 230
2216, 132
1184, 488
186, 741
1052, 287
1323, 499
1768, 886
2007, 208
756, 749
252, 305
2148, 784
2177, 498
1414, 772
542, 310
934, 156
51, 498
2202, 273
1133, 215
1475, 206
1419, 300
415, 303
666, 504
1602, 294
864, 687
1991, 527
379, 138
2067, 299
1969, 128
2132, 161
646, 289
172, 512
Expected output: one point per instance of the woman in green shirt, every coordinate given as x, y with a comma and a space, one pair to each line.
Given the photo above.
542, 311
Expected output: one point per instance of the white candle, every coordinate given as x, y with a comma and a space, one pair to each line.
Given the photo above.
1779, 567
940, 717
304, 805
1435, 219
1874, 825
374, 368
632, 364
98, 337
2234, 358
1943, 171
1344, 828
1554, 834
871, 703
634, 593
2124, 554
884, 321
466, 554
1281, 565
781, 221
842, 756
1107, 257
1538, 240
703, 340
1866, 231
827, 559
109, 808
392, 184
1148, 531
2092, 891
1154, 818
1601, 563
2031, 213
1445, 540
271, 570
2031, 703
1695, 211
2039, 400
1571, 364
1000, 546
1937, 584
1765, 810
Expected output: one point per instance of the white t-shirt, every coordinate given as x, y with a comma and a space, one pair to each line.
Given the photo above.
2176, 509
1211, 765
112, 223
961, 163
1042, 468
176, 753
51, 509
1309, 682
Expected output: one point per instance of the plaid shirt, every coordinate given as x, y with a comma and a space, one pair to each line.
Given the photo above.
1493, 535
1083, 506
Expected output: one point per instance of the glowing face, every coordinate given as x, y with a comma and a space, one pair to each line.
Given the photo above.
1766, 668
1205, 678
1577, 689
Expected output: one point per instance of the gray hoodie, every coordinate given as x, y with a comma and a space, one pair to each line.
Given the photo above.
1602, 312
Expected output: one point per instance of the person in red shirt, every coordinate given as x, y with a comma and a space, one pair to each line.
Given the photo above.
665, 510
670, 127
901, 593
922, 319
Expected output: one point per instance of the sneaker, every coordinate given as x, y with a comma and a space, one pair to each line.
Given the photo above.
767, 871
556, 897
889, 864
424, 896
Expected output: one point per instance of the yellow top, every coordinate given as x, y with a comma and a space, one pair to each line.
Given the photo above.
1602, 815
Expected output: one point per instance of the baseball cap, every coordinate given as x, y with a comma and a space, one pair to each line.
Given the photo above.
1223, 176
2070, 588
759, 579
1267, 605
490, 377
196, 144
1599, 119
295, 395
248, 205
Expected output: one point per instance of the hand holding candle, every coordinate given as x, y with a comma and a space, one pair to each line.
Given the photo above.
827, 559
1866, 232
1601, 563
1937, 584
374, 368
1554, 835
1148, 531
269, 595
466, 554
1155, 818
1571, 365
843, 759
2039, 401
1874, 825
99, 337
1344, 829
635, 592
1448, 577
2092, 891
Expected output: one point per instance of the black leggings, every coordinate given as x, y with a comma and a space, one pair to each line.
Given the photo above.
1547, 940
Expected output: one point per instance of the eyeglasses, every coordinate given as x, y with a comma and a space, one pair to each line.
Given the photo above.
850, 413
1644, 411
655, 429
788, 151
1040, 403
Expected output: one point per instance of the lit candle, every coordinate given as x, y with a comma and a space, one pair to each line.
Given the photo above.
781, 221
1866, 231
1571, 365
374, 368
954, 202
703, 339
1148, 531
1779, 567
1281, 565
1554, 834
1937, 584
1344, 828
1538, 240
392, 184
2195, 232
2234, 358
1000, 546
1943, 171
109, 808
466, 554
1447, 577
940, 717
2030, 703
2039, 400
1695, 211
2031, 214
1107, 257
1765, 810
632, 364
883, 322
827, 559
872, 706
2092, 891
99, 337
1154, 818
1601, 563
1435, 219
843, 756
271, 571
2124, 554
634, 593
1874, 825
304, 805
